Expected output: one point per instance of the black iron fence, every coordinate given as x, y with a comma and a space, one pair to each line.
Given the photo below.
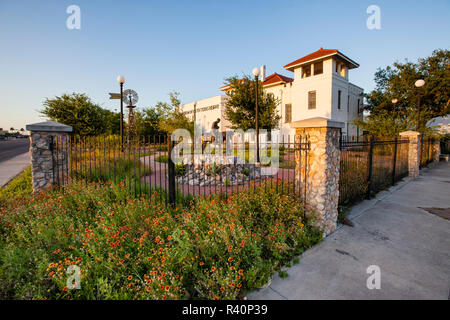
145, 166
370, 165
426, 151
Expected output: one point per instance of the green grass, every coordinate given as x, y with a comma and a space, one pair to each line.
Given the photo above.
19, 186
162, 158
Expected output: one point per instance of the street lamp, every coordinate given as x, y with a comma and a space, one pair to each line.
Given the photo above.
256, 74
121, 81
419, 84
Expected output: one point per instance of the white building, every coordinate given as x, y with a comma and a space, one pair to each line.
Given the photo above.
320, 87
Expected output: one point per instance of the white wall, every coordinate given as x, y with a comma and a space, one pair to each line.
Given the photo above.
205, 118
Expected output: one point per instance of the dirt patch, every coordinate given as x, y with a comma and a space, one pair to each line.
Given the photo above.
443, 213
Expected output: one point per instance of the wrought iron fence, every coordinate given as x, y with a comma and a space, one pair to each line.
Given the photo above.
370, 165
426, 151
145, 166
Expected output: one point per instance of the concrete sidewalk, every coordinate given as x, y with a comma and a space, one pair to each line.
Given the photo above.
410, 245
12, 167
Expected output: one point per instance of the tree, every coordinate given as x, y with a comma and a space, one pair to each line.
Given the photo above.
171, 117
240, 107
147, 122
384, 125
397, 82
77, 110
112, 122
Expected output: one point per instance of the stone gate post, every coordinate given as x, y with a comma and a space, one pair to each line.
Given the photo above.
45, 167
413, 152
322, 171
436, 150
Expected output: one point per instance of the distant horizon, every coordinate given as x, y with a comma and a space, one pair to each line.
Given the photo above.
192, 47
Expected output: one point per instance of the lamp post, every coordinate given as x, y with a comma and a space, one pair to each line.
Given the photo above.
121, 81
256, 74
419, 84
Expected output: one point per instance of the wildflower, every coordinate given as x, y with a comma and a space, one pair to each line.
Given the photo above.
230, 259
241, 272
130, 277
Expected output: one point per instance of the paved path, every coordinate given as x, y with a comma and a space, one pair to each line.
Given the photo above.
11, 148
12, 167
410, 245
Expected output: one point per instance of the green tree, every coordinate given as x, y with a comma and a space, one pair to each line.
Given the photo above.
240, 107
147, 122
384, 125
397, 82
112, 122
171, 117
77, 110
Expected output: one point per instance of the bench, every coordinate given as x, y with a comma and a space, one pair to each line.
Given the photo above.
444, 157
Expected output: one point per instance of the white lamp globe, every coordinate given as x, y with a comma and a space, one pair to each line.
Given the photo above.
420, 83
394, 101
121, 79
256, 72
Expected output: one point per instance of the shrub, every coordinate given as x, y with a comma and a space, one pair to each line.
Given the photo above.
129, 248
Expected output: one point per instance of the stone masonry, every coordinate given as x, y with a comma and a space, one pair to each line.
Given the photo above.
47, 166
413, 152
436, 150
322, 170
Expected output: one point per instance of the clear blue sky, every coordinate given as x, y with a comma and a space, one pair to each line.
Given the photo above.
191, 46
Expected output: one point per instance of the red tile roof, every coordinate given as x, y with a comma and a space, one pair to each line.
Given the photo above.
319, 54
272, 79
227, 86
276, 78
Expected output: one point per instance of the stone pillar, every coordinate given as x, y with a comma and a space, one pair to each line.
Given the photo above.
45, 164
436, 150
413, 152
322, 170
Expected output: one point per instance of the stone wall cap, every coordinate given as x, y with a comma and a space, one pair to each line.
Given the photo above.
49, 126
410, 133
317, 122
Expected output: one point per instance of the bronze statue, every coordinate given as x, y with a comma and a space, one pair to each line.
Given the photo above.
215, 125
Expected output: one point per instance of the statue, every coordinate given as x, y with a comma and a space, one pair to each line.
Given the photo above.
215, 125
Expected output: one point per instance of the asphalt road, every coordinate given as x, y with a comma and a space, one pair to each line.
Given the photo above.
11, 148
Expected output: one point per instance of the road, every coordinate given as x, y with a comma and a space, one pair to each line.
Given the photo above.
11, 148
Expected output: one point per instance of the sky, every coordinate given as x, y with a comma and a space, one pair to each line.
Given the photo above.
192, 46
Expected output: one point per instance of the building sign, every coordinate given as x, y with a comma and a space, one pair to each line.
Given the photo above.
216, 106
